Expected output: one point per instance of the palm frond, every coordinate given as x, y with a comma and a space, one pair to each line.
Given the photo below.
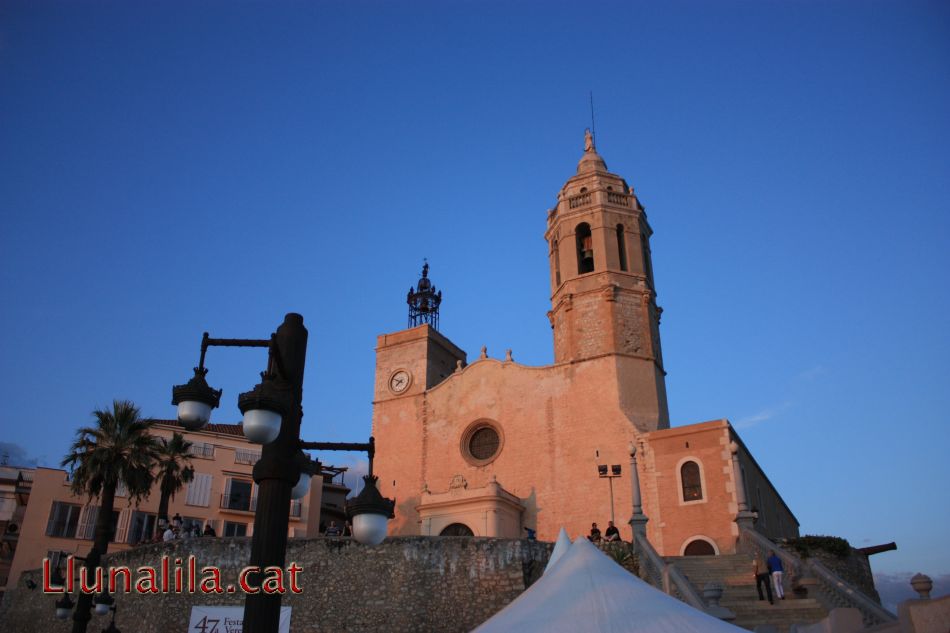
117, 449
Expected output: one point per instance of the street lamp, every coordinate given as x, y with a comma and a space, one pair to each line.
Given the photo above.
64, 606
369, 511
609, 475
195, 399
264, 409
272, 415
104, 602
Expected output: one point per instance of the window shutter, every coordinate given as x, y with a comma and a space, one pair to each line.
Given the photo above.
206, 490
191, 496
227, 492
199, 490
87, 522
55, 558
51, 524
122, 530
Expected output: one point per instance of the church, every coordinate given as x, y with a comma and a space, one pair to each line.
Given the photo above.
490, 447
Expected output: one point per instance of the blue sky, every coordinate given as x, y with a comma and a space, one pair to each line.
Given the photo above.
170, 168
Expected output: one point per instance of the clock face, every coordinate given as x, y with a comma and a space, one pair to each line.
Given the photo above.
400, 381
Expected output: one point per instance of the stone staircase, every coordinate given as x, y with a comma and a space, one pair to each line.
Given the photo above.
734, 573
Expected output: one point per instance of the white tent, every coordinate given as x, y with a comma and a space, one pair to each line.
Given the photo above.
561, 545
587, 591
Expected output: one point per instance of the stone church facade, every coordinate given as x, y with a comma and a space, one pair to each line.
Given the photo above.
491, 447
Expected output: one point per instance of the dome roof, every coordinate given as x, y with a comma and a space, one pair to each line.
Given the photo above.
591, 160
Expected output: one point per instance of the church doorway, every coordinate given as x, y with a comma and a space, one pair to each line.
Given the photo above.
699, 547
457, 529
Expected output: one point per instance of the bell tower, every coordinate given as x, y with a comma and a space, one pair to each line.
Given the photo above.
603, 298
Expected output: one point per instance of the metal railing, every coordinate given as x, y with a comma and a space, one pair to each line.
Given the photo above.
205, 451
243, 456
240, 503
243, 503
832, 590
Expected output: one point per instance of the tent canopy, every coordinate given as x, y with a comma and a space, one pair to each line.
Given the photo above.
587, 591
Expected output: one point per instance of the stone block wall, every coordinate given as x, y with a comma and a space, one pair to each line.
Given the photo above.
855, 569
405, 584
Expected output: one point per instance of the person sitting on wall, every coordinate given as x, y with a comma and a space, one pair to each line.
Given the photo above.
169, 534
594, 533
176, 520
334, 529
209, 531
612, 534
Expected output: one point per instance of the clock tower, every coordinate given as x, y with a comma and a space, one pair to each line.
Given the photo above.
410, 361
603, 296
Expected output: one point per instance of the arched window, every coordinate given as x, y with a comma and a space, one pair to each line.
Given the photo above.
585, 249
457, 529
692, 483
621, 247
557, 262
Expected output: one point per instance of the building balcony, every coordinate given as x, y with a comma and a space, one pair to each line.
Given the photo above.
242, 504
242, 456
204, 451
238, 503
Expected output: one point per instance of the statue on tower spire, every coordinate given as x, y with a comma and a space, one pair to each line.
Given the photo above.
589, 141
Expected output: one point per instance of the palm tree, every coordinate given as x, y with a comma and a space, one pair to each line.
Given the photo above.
174, 470
117, 450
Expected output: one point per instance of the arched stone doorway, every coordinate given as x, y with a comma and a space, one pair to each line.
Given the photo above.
699, 547
457, 529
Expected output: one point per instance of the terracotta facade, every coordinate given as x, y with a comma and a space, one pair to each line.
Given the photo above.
494, 446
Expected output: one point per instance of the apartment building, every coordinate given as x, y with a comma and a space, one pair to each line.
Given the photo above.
15, 485
56, 523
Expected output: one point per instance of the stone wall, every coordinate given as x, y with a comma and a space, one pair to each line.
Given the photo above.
405, 584
855, 569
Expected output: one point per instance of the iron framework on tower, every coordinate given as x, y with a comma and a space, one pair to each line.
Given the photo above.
424, 301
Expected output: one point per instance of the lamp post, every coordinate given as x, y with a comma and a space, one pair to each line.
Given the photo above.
102, 603
272, 415
609, 474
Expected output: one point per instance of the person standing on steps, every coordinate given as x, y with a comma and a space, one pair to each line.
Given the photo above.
776, 569
761, 573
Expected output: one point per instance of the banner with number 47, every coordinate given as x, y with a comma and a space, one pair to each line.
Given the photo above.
228, 620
